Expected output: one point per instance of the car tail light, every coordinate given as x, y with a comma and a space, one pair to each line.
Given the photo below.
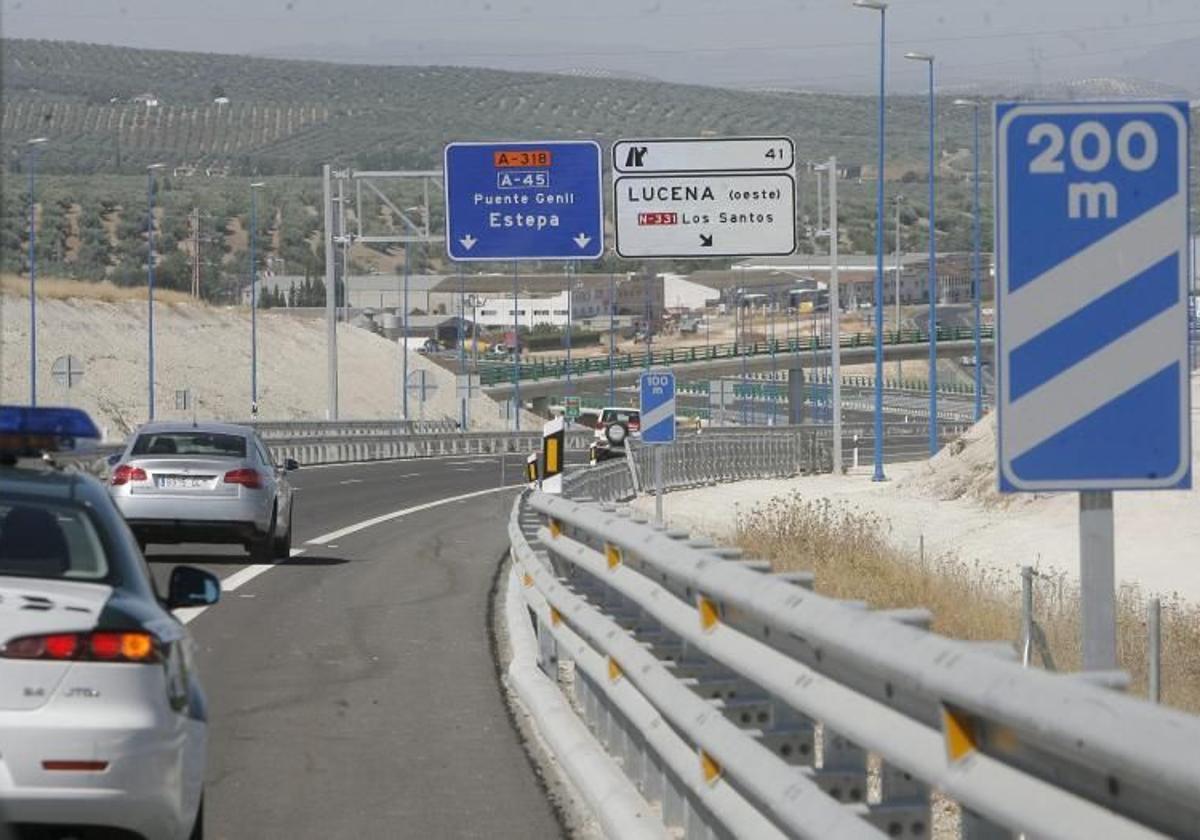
635, 424
100, 646
245, 477
76, 766
125, 474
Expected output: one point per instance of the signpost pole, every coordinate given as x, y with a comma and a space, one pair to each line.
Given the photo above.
658, 486
516, 350
571, 270
330, 312
404, 332
835, 312
612, 339
1097, 581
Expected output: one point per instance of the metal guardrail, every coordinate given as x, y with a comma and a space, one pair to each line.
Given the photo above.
747, 705
556, 368
273, 429
738, 453
329, 443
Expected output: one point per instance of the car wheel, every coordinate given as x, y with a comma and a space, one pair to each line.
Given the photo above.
283, 544
262, 547
198, 825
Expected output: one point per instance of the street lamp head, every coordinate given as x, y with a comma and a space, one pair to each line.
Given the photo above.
155, 166
37, 141
256, 185
919, 56
877, 5
967, 103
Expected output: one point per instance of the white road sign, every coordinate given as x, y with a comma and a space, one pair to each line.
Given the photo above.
712, 215
714, 154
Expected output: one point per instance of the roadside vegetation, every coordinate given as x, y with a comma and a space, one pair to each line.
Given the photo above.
851, 557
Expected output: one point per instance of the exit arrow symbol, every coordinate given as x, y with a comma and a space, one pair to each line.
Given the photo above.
706, 240
582, 240
468, 241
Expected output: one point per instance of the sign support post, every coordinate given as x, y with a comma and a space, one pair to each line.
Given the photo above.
835, 313
1097, 581
658, 486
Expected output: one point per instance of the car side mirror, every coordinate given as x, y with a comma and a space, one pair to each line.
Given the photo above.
291, 465
192, 587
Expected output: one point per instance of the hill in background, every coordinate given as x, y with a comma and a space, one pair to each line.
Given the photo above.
289, 117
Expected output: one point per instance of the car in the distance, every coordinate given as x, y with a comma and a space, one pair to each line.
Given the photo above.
628, 418
205, 483
103, 721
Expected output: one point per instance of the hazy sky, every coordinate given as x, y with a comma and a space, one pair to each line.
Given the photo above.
818, 43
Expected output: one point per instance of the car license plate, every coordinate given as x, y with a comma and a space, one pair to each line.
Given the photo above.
181, 482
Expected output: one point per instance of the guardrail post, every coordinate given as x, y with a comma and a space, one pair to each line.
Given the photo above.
972, 826
843, 773
903, 809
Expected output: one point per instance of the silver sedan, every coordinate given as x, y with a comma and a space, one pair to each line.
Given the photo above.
207, 482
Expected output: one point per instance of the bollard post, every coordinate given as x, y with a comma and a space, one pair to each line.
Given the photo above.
1154, 632
1026, 615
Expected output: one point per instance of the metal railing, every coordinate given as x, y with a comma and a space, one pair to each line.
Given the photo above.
738, 453
747, 705
347, 442
556, 367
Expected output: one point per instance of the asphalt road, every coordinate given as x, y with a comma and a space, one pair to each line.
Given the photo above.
352, 688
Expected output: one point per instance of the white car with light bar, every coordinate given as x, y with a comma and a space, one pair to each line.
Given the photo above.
103, 722
205, 483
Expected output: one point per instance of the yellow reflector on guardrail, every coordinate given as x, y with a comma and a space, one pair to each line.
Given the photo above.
613, 555
527, 579
555, 528
614, 670
710, 767
959, 729
555, 617
710, 613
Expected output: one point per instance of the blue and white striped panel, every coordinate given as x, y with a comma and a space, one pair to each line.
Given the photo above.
1092, 277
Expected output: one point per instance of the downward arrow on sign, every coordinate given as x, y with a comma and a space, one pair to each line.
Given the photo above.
468, 241
582, 240
706, 240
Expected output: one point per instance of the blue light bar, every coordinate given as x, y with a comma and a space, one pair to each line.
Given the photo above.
26, 431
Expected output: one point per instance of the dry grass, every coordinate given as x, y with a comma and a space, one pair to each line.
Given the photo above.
57, 288
851, 556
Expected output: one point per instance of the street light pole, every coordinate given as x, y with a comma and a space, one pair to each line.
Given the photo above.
150, 170
880, 7
32, 163
254, 188
977, 291
933, 325
899, 364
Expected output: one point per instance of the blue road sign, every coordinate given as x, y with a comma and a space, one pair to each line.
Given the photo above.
524, 201
658, 406
1091, 249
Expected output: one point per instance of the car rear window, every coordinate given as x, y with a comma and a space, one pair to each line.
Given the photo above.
208, 444
615, 416
47, 540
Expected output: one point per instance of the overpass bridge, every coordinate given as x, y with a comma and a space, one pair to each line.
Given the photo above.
547, 378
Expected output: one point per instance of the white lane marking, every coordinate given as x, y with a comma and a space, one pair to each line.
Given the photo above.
351, 481
229, 584
388, 517
384, 462
462, 469
410, 475
470, 461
